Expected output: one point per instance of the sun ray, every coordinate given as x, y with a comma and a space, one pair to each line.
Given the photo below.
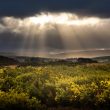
68, 30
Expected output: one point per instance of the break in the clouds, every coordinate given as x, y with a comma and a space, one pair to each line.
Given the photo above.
52, 26
46, 33
23, 8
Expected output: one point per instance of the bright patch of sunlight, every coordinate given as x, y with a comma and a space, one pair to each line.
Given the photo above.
63, 18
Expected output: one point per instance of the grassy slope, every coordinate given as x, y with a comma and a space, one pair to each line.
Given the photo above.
79, 86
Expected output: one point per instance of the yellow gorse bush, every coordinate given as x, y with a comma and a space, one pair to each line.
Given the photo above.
58, 85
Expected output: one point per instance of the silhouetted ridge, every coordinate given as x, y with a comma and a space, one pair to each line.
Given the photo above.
7, 61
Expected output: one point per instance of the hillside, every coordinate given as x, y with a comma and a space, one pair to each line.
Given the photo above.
102, 59
7, 61
58, 87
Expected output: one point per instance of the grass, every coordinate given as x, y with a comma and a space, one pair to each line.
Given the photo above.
79, 86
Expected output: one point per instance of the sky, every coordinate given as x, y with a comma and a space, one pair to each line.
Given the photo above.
47, 27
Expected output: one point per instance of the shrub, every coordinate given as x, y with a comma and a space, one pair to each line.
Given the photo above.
18, 101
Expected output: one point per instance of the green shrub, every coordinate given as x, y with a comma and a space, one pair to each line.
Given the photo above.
18, 101
30, 88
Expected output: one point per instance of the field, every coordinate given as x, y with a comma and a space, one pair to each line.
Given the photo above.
55, 87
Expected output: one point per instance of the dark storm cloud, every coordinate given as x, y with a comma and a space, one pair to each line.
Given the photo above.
22, 8
10, 42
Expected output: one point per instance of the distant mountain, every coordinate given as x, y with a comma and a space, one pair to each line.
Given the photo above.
7, 61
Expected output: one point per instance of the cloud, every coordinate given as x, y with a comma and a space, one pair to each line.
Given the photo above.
54, 32
23, 8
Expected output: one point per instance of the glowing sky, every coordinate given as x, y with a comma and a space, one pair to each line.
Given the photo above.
54, 30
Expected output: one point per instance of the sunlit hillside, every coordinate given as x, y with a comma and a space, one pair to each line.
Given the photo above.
55, 87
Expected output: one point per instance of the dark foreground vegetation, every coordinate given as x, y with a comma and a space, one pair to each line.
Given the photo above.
55, 87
